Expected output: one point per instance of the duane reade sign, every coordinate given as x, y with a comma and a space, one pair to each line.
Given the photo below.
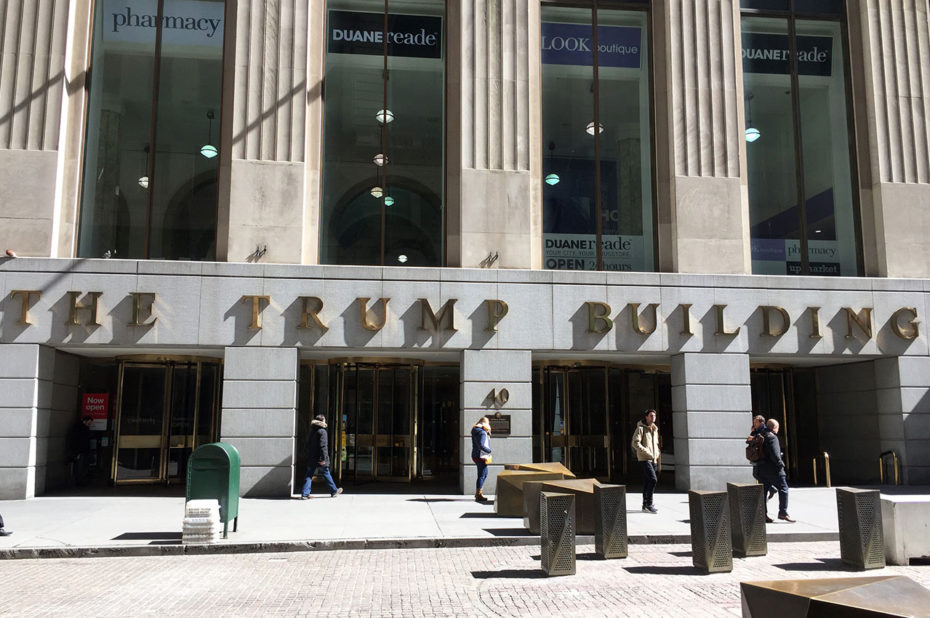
187, 23
412, 36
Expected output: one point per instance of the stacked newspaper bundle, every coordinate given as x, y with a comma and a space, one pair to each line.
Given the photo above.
201, 522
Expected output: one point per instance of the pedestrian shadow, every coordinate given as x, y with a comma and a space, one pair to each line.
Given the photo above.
822, 564
491, 515
681, 554
509, 574
429, 500
664, 570
586, 556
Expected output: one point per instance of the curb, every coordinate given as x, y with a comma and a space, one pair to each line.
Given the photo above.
198, 549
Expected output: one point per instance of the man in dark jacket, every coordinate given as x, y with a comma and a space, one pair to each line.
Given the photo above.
79, 438
758, 429
319, 458
771, 471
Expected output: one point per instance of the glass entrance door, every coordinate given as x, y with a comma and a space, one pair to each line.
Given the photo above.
378, 422
165, 410
576, 420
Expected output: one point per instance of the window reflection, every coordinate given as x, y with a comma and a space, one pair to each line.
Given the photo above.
383, 133
597, 175
148, 189
801, 203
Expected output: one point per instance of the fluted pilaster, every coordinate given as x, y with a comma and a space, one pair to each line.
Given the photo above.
702, 200
270, 110
32, 73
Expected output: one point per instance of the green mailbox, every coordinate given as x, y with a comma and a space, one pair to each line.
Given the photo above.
213, 474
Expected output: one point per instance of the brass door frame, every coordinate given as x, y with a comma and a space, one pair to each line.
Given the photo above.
164, 438
568, 440
375, 438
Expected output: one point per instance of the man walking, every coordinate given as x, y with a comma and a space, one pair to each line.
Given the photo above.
772, 471
646, 446
2, 531
319, 458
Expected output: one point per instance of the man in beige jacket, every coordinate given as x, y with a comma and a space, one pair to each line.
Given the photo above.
646, 446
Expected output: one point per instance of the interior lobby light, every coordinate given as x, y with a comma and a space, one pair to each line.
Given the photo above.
388, 201
208, 150
376, 192
590, 128
384, 116
402, 258
752, 133
380, 160
144, 182
552, 179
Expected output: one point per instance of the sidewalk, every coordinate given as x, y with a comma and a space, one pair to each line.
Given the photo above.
70, 526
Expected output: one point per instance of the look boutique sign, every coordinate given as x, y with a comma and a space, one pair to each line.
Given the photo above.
83, 309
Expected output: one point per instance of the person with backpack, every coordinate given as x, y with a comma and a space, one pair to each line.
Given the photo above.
646, 446
772, 471
754, 442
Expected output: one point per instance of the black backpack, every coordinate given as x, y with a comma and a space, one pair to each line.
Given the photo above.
754, 450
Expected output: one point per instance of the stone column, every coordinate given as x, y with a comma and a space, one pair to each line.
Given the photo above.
26, 374
484, 371
702, 199
33, 36
902, 394
271, 131
494, 195
712, 415
894, 52
259, 416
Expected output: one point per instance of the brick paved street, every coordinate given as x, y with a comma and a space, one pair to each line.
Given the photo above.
656, 580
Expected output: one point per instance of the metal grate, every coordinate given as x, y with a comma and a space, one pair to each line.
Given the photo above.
610, 532
711, 547
557, 533
747, 518
859, 514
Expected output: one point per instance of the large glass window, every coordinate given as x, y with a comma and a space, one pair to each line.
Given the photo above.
597, 152
383, 133
150, 159
801, 201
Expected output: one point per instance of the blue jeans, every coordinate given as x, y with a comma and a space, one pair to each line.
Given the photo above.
324, 470
779, 483
482, 473
650, 480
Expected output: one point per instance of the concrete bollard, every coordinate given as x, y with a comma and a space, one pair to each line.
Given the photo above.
531, 491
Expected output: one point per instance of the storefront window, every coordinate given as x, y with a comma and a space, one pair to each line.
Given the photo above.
597, 172
801, 201
383, 133
150, 158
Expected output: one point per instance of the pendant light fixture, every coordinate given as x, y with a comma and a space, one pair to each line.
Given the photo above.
208, 150
590, 128
551, 178
752, 133
144, 177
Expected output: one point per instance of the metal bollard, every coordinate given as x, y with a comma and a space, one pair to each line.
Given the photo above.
531, 491
859, 512
711, 547
610, 539
557, 533
747, 518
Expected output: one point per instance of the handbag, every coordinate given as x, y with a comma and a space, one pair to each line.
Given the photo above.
486, 457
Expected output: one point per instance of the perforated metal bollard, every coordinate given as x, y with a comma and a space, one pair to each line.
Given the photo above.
610, 539
557, 533
747, 518
711, 547
859, 512
531, 491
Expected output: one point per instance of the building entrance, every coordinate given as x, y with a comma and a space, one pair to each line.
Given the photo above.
164, 411
584, 417
387, 421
